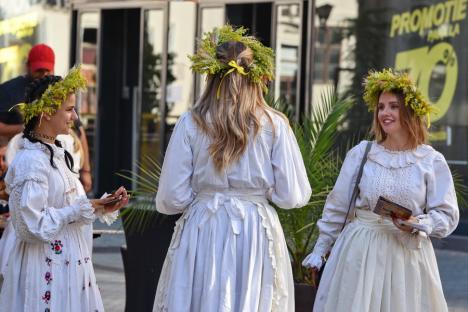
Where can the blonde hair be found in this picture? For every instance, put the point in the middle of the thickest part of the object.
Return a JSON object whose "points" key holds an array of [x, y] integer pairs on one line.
{"points": [[414, 124], [229, 119]]}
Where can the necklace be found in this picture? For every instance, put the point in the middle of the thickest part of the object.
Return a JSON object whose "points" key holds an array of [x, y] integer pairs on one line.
{"points": [[401, 148], [41, 136]]}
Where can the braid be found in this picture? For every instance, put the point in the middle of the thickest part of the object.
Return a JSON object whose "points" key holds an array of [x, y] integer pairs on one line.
{"points": [[27, 135], [33, 92], [37, 87], [68, 157]]}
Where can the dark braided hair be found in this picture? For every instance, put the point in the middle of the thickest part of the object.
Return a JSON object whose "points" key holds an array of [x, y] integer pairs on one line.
{"points": [[33, 92]]}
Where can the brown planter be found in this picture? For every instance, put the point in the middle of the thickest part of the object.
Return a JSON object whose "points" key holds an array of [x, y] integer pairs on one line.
{"points": [[304, 295]]}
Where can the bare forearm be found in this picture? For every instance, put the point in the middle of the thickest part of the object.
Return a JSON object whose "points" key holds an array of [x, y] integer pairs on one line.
{"points": [[10, 130]]}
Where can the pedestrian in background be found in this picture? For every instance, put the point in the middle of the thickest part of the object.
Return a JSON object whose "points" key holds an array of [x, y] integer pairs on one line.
{"points": [[50, 268], [40, 63], [226, 159], [379, 263]]}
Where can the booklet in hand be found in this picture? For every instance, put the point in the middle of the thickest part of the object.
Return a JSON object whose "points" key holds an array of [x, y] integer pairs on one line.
{"points": [[387, 208]]}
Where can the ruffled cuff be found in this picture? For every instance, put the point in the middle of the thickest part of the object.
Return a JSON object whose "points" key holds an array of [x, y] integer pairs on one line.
{"points": [[426, 223], [84, 211], [107, 217], [321, 248], [313, 261]]}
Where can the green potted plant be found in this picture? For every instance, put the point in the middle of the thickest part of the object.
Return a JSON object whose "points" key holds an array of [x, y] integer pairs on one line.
{"points": [[317, 139], [147, 233]]}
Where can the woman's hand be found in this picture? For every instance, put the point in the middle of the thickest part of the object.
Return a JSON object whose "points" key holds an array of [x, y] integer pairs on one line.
{"points": [[405, 227], [102, 204]]}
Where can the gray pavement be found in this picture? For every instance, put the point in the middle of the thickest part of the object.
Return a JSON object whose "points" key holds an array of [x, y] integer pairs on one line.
{"points": [[453, 267]]}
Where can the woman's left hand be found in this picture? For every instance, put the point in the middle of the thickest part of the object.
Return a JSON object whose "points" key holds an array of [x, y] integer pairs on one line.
{"points": [[404, 227]]}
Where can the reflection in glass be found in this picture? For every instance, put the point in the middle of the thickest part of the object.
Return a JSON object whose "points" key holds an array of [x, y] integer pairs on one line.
{"points": [[153, 36], [211, 17], [288, 38], [180, 82], [88, 56]]}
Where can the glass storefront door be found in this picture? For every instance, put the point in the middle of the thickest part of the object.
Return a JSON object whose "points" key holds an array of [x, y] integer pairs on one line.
{"points": [[87, 56], [149, 111], [288, 51]]}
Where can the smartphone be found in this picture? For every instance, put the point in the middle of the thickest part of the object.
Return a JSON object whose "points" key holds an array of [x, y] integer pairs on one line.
{"points": [[113, 201]]}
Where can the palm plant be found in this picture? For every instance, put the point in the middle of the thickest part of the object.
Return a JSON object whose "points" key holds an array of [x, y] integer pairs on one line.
{"points": [[141, 214], [316, 136]]}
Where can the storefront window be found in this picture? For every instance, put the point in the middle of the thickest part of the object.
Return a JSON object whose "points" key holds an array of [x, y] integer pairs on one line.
{"points": [[287, 49], [88, 58], [150, 122], [180, 80], [211, 17]]}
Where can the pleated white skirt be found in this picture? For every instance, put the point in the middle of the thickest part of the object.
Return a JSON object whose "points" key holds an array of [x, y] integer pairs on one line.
{"points": [[228, 254], [371, 270]]}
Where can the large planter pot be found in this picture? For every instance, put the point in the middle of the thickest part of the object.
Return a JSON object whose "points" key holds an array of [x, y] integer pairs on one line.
{"points": [[143, 258], [304, 295]]}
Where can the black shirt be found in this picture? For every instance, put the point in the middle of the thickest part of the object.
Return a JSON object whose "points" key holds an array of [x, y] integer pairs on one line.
{"points": [[12, 92]]}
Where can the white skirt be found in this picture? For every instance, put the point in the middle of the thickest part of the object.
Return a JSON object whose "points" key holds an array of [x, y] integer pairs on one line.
{"points": [[7, 243], [228, 254], [370, 269]]}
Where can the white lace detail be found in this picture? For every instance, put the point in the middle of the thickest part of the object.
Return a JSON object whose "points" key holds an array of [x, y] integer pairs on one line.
{"points": [[398, 159], [391, 183], [21, 227], [26, 144], [271, 253], [313, 261], [161, 294], [322, 247], [85, 211], [22, 177]]}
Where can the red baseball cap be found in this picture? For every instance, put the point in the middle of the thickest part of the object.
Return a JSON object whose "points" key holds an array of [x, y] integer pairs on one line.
{"points": [[41, 56]]}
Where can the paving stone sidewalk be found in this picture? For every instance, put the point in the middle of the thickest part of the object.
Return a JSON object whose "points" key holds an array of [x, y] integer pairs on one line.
{"points": [[453, 268]]}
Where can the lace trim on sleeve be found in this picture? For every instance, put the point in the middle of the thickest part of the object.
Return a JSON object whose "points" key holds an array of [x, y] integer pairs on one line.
{"points": [[20, 179], [85, 211], [19, 223]]}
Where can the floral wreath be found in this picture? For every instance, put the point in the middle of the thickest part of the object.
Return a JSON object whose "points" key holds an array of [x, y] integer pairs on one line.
{"points": [[205, 62], [54, 95], [388, 80]]}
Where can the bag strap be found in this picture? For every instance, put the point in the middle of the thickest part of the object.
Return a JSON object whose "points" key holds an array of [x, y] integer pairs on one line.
{"points": [[352, 202]]}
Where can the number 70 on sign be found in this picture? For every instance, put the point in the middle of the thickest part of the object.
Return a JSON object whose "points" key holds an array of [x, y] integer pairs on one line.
{"points": [[421, 62]]}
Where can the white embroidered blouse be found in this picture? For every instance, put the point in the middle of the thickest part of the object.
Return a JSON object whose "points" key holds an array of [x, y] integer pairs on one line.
{"points": [[418, 179]]}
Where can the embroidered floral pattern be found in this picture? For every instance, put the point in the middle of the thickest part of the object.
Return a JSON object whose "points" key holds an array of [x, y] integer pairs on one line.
{"points": [[57, 247], [48, 261], [46, 297], [48, 277]]}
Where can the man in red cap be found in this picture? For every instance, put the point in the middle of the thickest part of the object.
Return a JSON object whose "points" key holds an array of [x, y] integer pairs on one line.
{"points": [[40, 63]]}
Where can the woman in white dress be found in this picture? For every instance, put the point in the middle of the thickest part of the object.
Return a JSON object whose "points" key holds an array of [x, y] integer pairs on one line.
{"points": [[70, 142], [49, 268], [377, 263], [226, 159]]}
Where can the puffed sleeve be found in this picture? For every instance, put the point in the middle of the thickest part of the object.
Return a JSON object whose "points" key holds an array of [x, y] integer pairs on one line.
{"points": [[34, 220], [175, 190], [292, 188], [442, 214], [336, 206]]}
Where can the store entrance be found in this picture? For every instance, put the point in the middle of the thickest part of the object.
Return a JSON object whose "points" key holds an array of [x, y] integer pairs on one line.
{"points": [[118, 89], [254, 16]]}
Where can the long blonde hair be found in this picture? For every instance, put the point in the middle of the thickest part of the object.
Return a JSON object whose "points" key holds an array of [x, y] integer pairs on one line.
{"points": [[229, 118]]}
